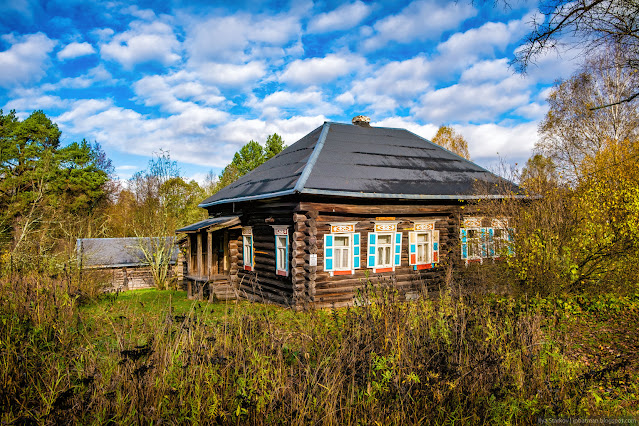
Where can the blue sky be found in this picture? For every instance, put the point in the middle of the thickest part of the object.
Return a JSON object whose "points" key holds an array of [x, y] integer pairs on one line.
{"points": [[199, 79]]}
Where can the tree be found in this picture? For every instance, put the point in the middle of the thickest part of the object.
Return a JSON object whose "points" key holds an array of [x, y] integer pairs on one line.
{"points": [[588, 25], [539, 175], [446, 137], [156, 203], [572, 131], [47, 192], [249, 157]]}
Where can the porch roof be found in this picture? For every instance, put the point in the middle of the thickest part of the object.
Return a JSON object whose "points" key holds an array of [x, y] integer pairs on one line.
{"points": [[214, 222]]}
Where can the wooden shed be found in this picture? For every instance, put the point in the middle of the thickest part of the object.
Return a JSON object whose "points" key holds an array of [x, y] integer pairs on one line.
{"points": [[123, 260], [344, 205]]}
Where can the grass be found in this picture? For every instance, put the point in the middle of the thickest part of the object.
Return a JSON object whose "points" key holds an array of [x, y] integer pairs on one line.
{"points": [[152, 356]]}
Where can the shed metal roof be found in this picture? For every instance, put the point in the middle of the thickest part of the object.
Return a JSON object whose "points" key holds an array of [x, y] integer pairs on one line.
{"points": [[120, 252], [363, 162]]}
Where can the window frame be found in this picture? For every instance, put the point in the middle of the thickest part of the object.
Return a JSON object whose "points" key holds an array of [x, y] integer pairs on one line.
{"points": [[247, 236], [485, 245], [353, 247], [431, 246], [281, 253], [428, 247], [384, 228], [390, 246], [346, 247]]}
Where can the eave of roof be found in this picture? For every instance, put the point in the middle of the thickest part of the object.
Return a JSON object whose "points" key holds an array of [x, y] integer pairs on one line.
{"points": [[216, 223]]}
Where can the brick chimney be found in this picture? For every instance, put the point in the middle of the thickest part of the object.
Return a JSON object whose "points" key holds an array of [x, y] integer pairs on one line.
{"points": [[362, 120]]}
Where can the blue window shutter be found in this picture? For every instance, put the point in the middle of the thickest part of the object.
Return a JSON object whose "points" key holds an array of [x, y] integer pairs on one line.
{"points": [[491, 241], [464, 244], [412, 248], [356, 248], [511, 241], [398, 249], [483, 243], [435, 246], [371, 250], [328, 253]]}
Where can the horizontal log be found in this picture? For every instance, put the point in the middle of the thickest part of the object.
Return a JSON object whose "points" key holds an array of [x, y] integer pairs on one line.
{"points": [[298, 235], [298, 244], [298, 217], [296, 261], [269, 284]]}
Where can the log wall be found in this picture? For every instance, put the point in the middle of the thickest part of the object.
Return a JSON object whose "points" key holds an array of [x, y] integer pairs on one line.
{"points": [[262, 283], [307, 223], [341, 290]]}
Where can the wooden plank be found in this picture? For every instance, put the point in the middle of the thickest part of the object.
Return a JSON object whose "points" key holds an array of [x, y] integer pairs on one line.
{"points": [[199, 254], [209, 254]]}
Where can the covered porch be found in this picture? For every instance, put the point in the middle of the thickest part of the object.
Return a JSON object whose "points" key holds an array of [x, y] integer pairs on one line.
{"points": [[208, 257]]}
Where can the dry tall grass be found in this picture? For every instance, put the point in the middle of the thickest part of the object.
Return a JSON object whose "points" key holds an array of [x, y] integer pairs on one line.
{"points": [[448, 360]]}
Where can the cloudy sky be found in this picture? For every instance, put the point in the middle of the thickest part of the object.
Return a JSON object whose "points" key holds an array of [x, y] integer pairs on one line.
{"points": [[200, 79]]}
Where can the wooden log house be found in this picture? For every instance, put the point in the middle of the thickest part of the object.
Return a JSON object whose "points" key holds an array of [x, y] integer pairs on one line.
{"points": [[344, 205]]}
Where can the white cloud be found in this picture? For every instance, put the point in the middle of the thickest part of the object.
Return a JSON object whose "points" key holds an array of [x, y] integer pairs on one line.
{"points": [[420, 20], [313, 71], [231, 74], [487, 70], [75, 50], [488, 142], [238, 132], [426, 131], [473, 102], [190, 136], [308, 102], [239, 38], [391, 86], [343, 18], [532, 111], [481, 41], [26, 60], [176, 92], [38, 101], [144, 42]]}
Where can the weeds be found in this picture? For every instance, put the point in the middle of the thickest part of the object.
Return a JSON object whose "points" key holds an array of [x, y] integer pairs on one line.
{"points": [[134, 359]]}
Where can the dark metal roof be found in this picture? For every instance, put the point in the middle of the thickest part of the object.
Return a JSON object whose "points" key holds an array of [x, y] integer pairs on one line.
{"points": [[220, 222], [120, 252], [363, 162]]}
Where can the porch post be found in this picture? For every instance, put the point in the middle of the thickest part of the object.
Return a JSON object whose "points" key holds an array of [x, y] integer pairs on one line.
{"points": [[199, 254], [189, 262], [209, 253]]}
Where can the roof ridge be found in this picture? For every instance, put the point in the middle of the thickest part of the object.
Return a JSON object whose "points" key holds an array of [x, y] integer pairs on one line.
{"points": [[312, 159]]}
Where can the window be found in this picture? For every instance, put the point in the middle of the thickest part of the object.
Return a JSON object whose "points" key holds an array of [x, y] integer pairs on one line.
{"points": [[281, 249], [384, 247], [342, 252], [485, 242], [281, 253], [341, 249], [247, 248], [423, 246]]}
